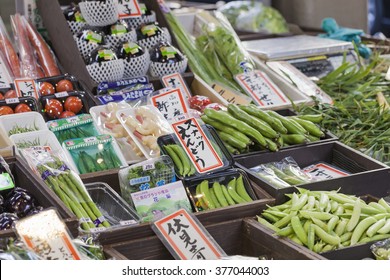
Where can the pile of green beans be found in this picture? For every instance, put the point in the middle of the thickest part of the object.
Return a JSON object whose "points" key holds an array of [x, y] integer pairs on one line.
{"points": [[247, 128], [328, 220]]}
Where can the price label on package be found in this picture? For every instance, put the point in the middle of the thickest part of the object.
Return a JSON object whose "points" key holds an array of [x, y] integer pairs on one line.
{"points": [[26, 88], [176, 81], [323, 171], [128, 8], [231, 96], [260, 87], [5, 78], [186, 238], [197, 146], [170, 103]]}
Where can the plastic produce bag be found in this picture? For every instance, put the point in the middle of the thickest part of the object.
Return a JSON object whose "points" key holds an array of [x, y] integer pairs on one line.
{"points": [[67, 185], [6, 178], [269, 176], [381, 249], [8, 51]]}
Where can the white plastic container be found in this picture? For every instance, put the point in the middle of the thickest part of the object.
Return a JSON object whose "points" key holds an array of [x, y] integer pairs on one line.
{"points": [[100, 115], [30, 120], [162, 127]]}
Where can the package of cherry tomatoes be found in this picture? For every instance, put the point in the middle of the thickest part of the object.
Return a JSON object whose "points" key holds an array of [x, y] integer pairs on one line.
{"points": [[18, 105], [57, 84], [6, 93], [64, 104]]}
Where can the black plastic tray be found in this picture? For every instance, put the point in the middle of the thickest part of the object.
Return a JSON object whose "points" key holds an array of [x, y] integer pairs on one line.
{"points": [[55, 79], [31, 102]]}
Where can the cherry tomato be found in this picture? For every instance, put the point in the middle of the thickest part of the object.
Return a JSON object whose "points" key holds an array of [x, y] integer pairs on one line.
{"points": [[10, 94], [46, 88], [73, 104], [1, 96], [53, 108], [6, 110], [64, 85], [67, 114], [198, 102], [21, 108]]}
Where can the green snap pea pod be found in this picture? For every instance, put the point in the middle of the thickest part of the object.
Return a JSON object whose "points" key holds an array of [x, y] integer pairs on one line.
{"points": [[286, 220], [374, 238], [241, 190], [89, 163], [327, 248], [214, 198], [334, 206], [326, 237], [296, 240], [298, 229], [386, 228], [294, 139], [328, 208], [231, 149], [306, 225], [227, 195], [372, 230], [107, 159], [80, 164], [228, 120], [339, 198], [204, 189], [361, 228], [320, 223], [312, 138], [318, 247], [324, 199], [219, 194], [176, 160], [341, 227], [227, 138], [340, 210], [276, 213], [318, 215], [312, 118], [232, 192], [258, 124], [260, 114], [300, 203], [310, 202], [311, 235], [264, 222], [270, 217], [355, 216], [272, 146], [346, 243], [286, 231], [365, 209], [291, 126], [199, 196], [222, 127], [332, 223], [385, 205], [185, 161], [346, 236], [310, 127], [377, 206], [279, 142]]}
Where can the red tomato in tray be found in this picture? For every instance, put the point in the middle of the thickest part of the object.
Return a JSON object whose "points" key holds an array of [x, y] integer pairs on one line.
{"points": [[53, 108], [6, 110], [198, 102], [73, 104], [10, 94], [46, 88], [21, 108], [1, 96], [64, 85], [67, 114]]}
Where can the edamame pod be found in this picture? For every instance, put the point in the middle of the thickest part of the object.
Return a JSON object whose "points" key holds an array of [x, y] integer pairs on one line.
{"points": [[240, 189]]}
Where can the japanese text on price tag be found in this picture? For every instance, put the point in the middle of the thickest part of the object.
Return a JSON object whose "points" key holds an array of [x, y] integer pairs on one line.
{"points": [[5, 78], [322, 171], [128, 9], [197, 146], [263, 91], [171, 103], [26, 87], [231, 96], [186, 238], [176, 81]]}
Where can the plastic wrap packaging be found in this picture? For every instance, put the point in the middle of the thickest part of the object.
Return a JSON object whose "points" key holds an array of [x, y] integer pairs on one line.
{"points": [[7, 180], [29, 65], [106, 121], [94, 154], [145, 124], [18, 105], [74, 127], [146, 175], [57, 84], [67, 185], [45, 55], [255, 17], [381, 249], [9, 52], [14, 249], [134, 95]]}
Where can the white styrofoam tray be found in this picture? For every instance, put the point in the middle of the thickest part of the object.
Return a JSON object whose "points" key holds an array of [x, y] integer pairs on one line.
{"points": [[31, 120]]}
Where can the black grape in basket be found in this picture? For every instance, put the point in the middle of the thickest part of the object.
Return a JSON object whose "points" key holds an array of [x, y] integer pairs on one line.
{"points": [[165, 53], [7, 220], [129, 50], [92, 35], [148, 30], [101, 54], [73, 14]]}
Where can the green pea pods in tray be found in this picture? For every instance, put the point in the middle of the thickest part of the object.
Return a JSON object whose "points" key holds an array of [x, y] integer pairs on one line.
{"points": [[146, 175], [94, 154], [73, 127], [29, 121], [184, 168], [221, 189]]}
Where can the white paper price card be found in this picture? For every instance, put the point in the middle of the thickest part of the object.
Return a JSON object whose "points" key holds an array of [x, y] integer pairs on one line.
{"points": [[231, 96], [323, 171], [186, 238], [176, 81], [170, 103], [263, 91], [26, 88], [47, 236], [5, 78], [128, 9], [197, 146]]}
